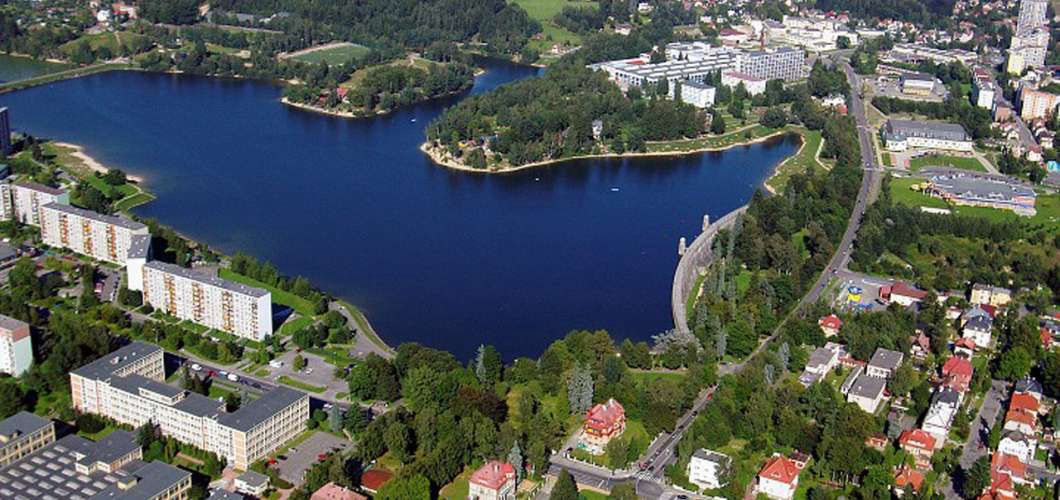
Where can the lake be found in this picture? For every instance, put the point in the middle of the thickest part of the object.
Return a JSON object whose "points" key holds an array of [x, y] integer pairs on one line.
{"points": [[444, 258]]}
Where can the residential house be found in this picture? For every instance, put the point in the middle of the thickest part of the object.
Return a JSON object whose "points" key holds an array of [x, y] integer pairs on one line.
{"points": [[252, 483], [822, 360], [604, 422], [902, 294], [1018, 444], [977, 325], [920, 445], [830, 325], [907, 478], [373, 479], [957, 374], [332, 491], [867, 392], [1030, 387], [964, 347], [884, 363], [940, 414], [1021, 421], [779, 478], [988, 294], [921, 345], [1002, 465], [708, 469], [495, 480]]}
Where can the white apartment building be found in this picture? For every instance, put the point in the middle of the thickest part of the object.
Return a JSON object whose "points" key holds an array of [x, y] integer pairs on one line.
{"points": [[694, 61], [128, 386], [697, 94], [139, 254], [1031, 47], [24, 201], [102, 237], [228, 306], [1037, 103], [707, 469], [904, 134], [1032, 15], [753, 84], [16, 346], [785, 63], [812, 34], [984, 90]]}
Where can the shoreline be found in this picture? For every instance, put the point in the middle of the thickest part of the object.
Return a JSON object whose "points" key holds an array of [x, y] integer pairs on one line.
{"points": [[447, 162], [91, 163]]}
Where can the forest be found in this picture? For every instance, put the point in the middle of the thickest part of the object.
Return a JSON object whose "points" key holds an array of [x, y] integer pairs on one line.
{"points": [[975, 120], [924, 13]]}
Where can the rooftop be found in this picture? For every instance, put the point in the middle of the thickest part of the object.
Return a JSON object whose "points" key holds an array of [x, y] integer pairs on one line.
{"points": [[254, 479], [980, 187], [886, 359], [21, 424], [33, 186], [867, 386], [257, 411], [712, 456], [96, 216], [493, 474], [932, 130], [780, 469], [208, 280], [106, 366], [11, 324], [220, 494], [139, 246], [133, 383], [152, 479]]}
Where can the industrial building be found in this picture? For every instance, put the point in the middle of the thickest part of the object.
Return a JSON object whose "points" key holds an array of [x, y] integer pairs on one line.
{"points": [[904, 134], [228, 306], [978, 190], [909, 52], [16, 346], [128, 386], [102, 237], [919, 84]]}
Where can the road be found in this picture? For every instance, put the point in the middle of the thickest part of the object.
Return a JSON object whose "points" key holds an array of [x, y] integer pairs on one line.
{"points": [[650, 482], [980, 431]]}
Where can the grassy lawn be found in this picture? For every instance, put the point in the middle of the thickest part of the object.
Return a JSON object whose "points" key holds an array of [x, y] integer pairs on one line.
{"points": [[303, 306], [333, 55], [543, 11], [693, 295], [945, 161], [642, 377], [717, 141], [592, 495], [109, 40], [216, 391], [130, 202], [284, 379], [1048, 205], [333, 355], [294, 325], [805, 157], [96, 436], [458, 489]]}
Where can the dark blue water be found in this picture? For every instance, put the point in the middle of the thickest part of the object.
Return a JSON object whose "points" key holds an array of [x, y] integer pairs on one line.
{"points": [[18, 68], [446, 258]]}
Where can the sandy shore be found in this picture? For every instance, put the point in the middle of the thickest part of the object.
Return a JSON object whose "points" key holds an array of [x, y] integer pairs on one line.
{"points": [[318, 109], [90, 162], [444, 159]]}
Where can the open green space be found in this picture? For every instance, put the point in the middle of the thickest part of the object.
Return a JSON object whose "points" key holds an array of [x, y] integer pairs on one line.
{"points": [[960, 162], [693, 295], [113, 41], [294, 325], [333, 356], [303, 306], [458, 488], [804, 158], [284, 379], [711, 142], [96, 436], [543, 11], [130, 202], [338, 54]]}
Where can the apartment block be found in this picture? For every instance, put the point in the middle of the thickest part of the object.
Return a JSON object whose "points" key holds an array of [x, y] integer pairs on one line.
{"points": [[78, 469], [984, 90], [24, 201], [128, 387], [136, 259], [23, 433], [102, 237], [16, 346], [1037, 104], [1032, 15], [228, 306], [785, 63]]}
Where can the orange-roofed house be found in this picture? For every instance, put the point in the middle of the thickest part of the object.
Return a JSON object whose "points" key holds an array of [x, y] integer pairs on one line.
{"points": [[332, 491], [1003, 465], [373, 479], [493, 481], [957, 373], [604, 422], [906, 477], [830, 325], [779, 478], [920, 444], [1024, 401], [1021, 421]]}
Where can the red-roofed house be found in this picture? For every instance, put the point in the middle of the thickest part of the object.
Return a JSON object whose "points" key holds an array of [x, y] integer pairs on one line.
{"points": [[1020, 420], [604, 422], [779, 478], [830, 325], [920, 444], [1024, 401], [1007, 465], [493, 481], [373, 479], [904, 294], [907, 477], [957, 373], [332, 491], [965, 346]]}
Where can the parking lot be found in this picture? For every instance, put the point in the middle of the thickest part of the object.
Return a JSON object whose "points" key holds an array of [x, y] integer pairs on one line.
{"points": [[870, 291], [300, 458], [317, 372]]}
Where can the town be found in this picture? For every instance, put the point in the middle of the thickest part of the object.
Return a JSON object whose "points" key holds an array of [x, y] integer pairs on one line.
{"points": [[880, 319]]}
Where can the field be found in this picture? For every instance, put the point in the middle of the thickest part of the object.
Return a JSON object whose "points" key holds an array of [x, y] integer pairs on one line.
{"points": [[960, 162], [109, 40], [806, 157], [332, 53], [543, 11]]}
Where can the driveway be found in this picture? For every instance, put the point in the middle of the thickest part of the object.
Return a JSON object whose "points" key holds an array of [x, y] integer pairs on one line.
{"points": [[302, 457]]}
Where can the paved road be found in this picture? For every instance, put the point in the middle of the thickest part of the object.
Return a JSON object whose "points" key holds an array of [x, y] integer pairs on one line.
{"points": [[650, 482], [980, 430], [362, 344]]}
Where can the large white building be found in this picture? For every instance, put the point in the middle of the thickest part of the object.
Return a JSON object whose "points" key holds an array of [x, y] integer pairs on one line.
{"points": [[1030, 47], [139, 254], [103, 237], [16, 346], [708, 469], [228, 306], [984, 90], [785, 63], [813, 34], [697, 94], [128, 386], [24, 201], [693, 61], [904, 134], [1032, 15], [753, 84]]}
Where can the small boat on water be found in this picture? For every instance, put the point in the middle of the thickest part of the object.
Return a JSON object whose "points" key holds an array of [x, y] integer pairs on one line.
{"points": [[413, 120], [614, 190]]}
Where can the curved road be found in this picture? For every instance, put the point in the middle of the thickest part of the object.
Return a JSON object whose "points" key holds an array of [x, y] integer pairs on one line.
{"points": [[650, 482]]}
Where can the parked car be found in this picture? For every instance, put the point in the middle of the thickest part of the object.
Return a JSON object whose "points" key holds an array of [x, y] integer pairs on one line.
{"points": [[233, 377], [196, 367], [224, 373]]}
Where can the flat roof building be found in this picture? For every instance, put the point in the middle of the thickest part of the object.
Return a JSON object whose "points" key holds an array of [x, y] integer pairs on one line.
{"points": [[102, 237], [128, 386], [228, 306], [903, 134], [784, 63], [24, 433], [75, 468], [24, 201], [16, 346]]}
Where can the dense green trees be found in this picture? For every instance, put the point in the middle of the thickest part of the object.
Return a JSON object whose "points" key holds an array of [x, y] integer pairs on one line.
{"points": [[974, 119]]}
